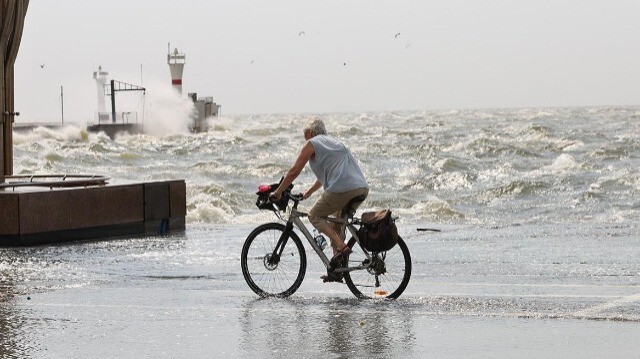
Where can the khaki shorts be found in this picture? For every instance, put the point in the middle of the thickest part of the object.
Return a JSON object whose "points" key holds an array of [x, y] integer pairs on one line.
{"points": [[331, 204]]}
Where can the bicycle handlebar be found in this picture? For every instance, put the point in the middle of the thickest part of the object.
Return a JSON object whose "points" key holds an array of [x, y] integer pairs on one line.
{"points": [[296, 197], [264, 200]]}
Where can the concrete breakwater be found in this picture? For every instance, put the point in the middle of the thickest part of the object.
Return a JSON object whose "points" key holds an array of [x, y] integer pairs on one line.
{"points": [[43, 215]]}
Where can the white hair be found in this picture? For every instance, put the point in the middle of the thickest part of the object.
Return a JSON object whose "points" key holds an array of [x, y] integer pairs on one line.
{"points": [[316, 126]]}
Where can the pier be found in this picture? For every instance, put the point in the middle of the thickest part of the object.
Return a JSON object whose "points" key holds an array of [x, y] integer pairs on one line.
{"points": [[37, 214], [44, 209]]}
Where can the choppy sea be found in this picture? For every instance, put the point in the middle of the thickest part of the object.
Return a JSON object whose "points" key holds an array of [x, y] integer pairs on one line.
{"points": [[537, 255], [480, 167]]}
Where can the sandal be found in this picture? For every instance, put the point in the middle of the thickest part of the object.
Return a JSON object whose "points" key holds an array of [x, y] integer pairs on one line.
{"points": [[332, 277], [339, 260], [344, 251]]}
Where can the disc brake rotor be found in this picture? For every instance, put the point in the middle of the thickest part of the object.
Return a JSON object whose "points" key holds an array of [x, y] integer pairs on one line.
{"points": [[269, 263]]}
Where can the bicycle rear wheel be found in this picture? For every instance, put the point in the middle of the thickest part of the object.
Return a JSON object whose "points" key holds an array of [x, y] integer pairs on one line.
{"points": [[386, 277], [268, 275]]}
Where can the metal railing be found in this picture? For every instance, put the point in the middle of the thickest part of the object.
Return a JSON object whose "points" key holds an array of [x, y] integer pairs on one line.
{"points": [[51, 181], [121, 117]]}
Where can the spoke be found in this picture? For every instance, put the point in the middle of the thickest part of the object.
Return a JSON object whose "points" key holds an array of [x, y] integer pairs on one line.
{"points": [[278, 278], [388, 282]]}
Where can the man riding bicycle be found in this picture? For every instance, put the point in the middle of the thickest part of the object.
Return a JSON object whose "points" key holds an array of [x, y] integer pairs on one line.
{"points": [[339, 174]]}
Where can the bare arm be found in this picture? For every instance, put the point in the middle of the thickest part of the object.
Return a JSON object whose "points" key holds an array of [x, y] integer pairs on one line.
{"points": [[294, 171], [312, 189]]}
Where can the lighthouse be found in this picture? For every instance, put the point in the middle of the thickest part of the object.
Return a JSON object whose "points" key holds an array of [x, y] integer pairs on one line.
{"points": [[101, 80], [176, 61], [204, 107]]}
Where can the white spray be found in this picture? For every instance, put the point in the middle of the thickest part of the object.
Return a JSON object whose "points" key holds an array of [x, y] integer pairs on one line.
{"points": [[166, 112]]}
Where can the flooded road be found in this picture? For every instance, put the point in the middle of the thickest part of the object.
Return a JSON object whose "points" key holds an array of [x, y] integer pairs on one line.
{"points": [[523, 291]]}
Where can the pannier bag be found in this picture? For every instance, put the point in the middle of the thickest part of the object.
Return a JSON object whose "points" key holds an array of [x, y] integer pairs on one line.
{"points": [[378, 232]]}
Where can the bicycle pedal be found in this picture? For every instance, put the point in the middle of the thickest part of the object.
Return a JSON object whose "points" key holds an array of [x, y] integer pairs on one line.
{"points": [[332, 277]]}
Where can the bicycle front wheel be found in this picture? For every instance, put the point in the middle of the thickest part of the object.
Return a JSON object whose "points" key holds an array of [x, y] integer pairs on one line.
{"points": [[267, 273], [387, 276]]}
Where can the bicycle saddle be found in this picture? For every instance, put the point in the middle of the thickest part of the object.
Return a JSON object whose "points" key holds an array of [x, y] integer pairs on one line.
{"points": [[350, 208]]}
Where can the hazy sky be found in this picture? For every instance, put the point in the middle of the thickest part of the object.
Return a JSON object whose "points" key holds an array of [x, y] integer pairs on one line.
{"points": [[249, 54]]}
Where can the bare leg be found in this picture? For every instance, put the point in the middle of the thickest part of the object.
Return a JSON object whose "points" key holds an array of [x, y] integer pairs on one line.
{"points": [[337, 243]]}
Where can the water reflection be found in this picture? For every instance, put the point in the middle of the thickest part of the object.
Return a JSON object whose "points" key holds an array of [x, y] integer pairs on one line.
{"points": [[339, 328], [9, 324], [30, 271]]}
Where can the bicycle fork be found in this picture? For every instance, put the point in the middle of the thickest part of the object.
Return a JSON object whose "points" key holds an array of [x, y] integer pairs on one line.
{"points": [[279, 248]]}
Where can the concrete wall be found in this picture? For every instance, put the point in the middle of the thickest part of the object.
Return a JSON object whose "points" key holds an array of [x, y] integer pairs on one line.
{"points": [[47, 216]]}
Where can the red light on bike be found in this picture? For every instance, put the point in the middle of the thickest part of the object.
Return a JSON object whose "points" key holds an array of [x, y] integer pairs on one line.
{"points": [[264, 188]]}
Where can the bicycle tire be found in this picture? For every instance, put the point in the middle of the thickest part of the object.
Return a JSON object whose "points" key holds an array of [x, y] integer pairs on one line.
{"points": [[396, 264], [273, 280]]}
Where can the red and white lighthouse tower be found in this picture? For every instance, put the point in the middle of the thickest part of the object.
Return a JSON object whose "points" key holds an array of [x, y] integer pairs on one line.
{"points": [[176, 61]]}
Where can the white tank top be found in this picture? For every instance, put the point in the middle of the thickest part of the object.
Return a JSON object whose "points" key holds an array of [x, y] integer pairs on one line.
{"points": [[334, 165]]}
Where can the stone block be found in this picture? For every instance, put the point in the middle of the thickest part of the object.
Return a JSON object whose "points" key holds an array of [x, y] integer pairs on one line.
{"points": [[178, 193], [9, 213], [44, 211], [156, 201], [103, 206]]}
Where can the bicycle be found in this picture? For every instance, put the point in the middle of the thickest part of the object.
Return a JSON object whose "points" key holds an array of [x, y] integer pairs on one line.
{"points": [[274, 260]]}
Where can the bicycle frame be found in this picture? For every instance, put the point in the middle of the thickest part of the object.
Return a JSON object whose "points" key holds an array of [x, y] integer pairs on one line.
{"points": [[295, 219]]}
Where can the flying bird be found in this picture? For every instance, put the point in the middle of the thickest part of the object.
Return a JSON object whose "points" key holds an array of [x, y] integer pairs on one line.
{"points": [[408, 46], [301, 33], [42, 66], [396, 36], [252, 61]]}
